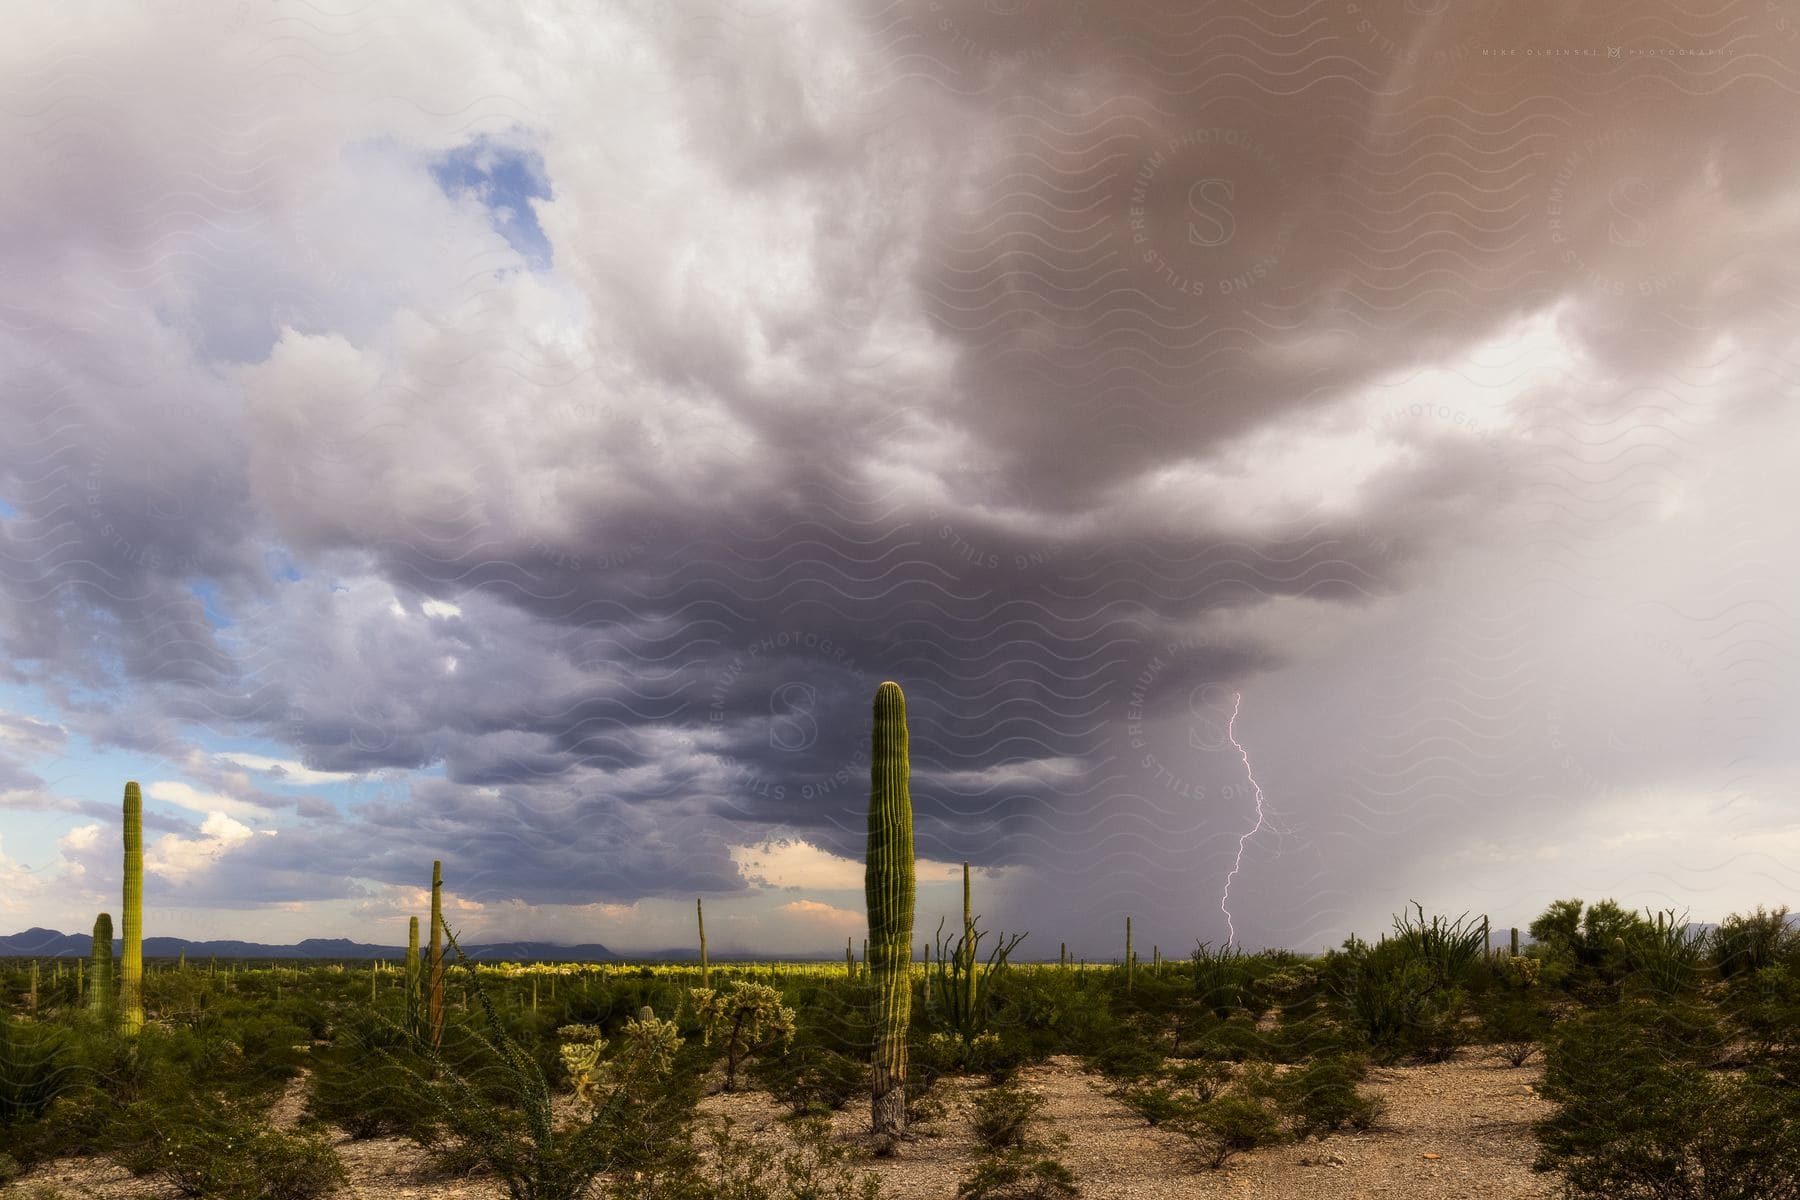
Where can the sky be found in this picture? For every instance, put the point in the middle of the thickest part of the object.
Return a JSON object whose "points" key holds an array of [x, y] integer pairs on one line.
{"points": [[1300, 459]]}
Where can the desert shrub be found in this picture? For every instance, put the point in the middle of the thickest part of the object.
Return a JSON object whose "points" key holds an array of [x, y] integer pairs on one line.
{"points": [[1321, 1097], [1018, 1175], [1180, 1094], [1401, 996], [1514, 1022], [1584, 948], [815, 1167], [1038, 1013], [1129, 1056], [812, 1080], [1236, 1039], [1640, 1118], [1312, 1035], [1294, 987], [1664, 959], [1230, 1125], [1160, 1104], [1003, 1117], [1453, 951], [204, 1145], [363, 1083], [1203, 1078], [1765, 1006], [1223, 979], [34, 1063], [633, 1107], [1744, 945]]}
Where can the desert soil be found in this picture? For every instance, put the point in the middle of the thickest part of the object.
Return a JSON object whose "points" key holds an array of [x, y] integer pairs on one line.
{"points": [[1453, 1131]]}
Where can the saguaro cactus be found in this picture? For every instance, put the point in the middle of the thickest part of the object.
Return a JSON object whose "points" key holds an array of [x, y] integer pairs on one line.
{"points": [[434, 1008], [131, 960], [1128, 958], [412, 960], [890, 890], [700, 916]]}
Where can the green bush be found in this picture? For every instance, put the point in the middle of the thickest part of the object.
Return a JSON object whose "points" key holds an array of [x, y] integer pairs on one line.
{"points": [[34, 1064], [1018, 1175], [1765, 1006], [1514, 1023], [1744, 945], [364, 1083], [1041, 1012], [1223, 979], [1400, 996], [1203, 1078], [1639, 1117], [1664, 959], [1003, 1116], [1308, 1037], [206, 1146], [1231, 1125], [815, 1168], [1127, 1057], [812, 1080], [1321, 1097]]}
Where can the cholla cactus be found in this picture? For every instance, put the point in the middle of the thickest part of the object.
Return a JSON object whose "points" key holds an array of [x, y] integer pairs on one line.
{"points": [[647, 1051], [1523, 972], [750, 1017]]}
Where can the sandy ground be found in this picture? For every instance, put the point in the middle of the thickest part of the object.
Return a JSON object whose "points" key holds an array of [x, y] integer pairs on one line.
{"points": [[1454, 1131]]}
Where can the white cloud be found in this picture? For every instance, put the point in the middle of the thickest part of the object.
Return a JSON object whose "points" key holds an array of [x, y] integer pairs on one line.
{"points": [[189, 797], [15, 883], [177, 858], [817, 912], [795, 863], [286, 769]]}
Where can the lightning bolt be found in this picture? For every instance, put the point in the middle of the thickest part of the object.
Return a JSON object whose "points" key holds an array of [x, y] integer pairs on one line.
{"points": [[1231, 732]]}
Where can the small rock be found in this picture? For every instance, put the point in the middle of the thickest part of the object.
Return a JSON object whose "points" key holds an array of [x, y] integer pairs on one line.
{"points": [[1428, 1155]]}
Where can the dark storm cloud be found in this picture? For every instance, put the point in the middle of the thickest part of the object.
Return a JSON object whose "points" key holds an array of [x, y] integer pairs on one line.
{"points": [[1064, 364]]}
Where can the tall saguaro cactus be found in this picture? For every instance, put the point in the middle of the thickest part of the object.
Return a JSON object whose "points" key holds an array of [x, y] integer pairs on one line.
{"points": [[434, 1008], [100, 989], [700, 916], [890, 890], [1129, 960], [131, 960], [412, 960]]}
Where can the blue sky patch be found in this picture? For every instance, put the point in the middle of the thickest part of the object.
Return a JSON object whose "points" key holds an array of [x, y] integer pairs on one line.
{"points": [[506, 179], [211, 602]]}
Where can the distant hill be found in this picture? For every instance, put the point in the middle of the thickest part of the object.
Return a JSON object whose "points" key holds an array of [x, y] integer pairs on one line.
{"points": [[48, 943]]}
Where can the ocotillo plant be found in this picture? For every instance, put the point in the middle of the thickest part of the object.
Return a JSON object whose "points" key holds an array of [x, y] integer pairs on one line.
{"points": [[700, 917], [131, 964], [962, 983], [435, 1001], [968, 942], [889, 888]]}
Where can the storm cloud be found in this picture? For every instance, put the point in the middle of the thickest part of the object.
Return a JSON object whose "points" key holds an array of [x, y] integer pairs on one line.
{"points": [[544, 434]]}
